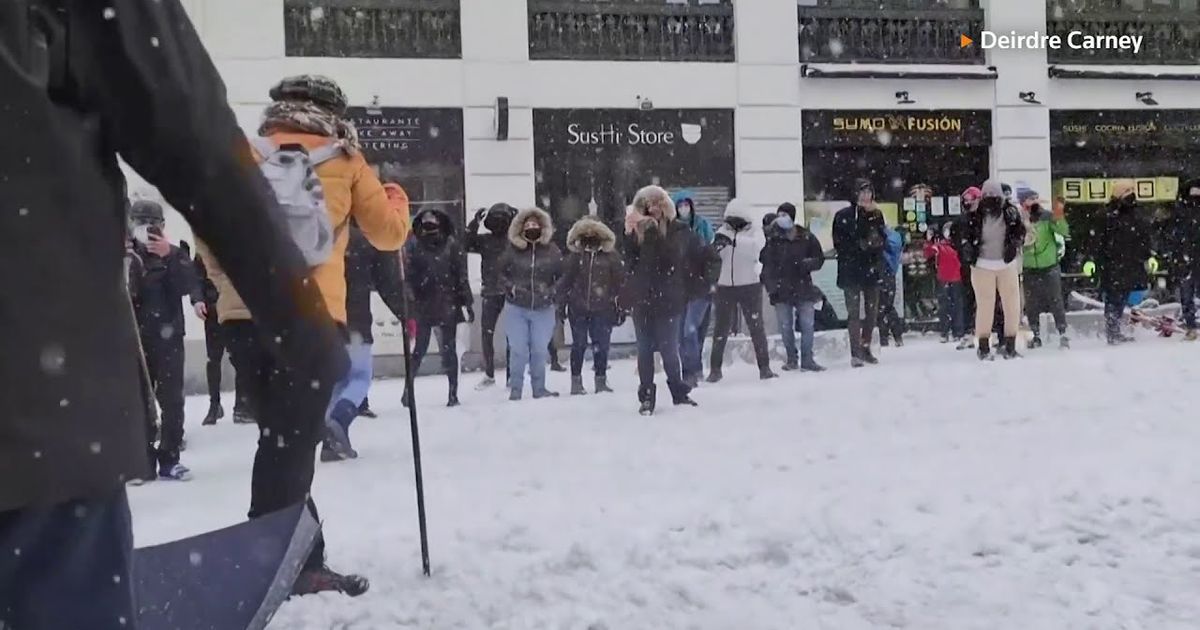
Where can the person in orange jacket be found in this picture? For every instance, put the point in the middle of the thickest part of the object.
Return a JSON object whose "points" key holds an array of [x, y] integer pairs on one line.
{"points": [[308, 110]]}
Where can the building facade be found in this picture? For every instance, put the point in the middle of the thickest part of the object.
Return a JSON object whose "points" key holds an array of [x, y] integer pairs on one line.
{"points": [[573, 104]]}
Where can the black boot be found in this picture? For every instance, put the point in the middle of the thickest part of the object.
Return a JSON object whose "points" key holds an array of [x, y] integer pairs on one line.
{"points": [[452, 398], [984, 352], [215, 412], [577, 385], [766, 374], [1010, 348], [792, 365], [241, 416], [365, 411], [602, 384], [646, 396], [714, 376]]}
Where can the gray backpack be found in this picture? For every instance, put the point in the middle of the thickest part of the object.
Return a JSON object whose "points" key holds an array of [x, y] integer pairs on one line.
{"points": [[291, 172]]}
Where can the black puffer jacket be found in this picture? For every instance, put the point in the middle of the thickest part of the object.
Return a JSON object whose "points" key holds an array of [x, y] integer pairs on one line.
{"points": [[972, 235], [437, 271], [859, 238], [658, 270], [1124, 247], [594, 274], [788, 264], [1183, 235], [161, 286], [530, 272], [74, 408], [491, 246], [369, 269]]}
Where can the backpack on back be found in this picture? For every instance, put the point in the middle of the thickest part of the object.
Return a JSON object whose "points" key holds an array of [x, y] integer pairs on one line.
{"points": [[291, 172]]}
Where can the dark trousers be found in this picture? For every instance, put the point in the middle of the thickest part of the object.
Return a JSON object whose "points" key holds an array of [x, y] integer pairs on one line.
{"points": [[214, 344], [1043, 294], [1188, 287], [291, 420], [950, 308], [68, 566], [493, 305], [862, 311], [596, 327], [164, 364], [447, 349], [890, 321], [658, 333], [747, 299], [968, 300], [1114, 310]]}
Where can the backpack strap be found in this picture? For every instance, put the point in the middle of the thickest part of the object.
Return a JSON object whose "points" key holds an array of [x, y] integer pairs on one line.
{"points": [[264, 146], [324, 154]]}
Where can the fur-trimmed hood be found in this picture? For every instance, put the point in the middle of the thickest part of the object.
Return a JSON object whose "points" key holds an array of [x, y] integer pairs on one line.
{"points": [[654, 196], [518, 223], [588, 226]]}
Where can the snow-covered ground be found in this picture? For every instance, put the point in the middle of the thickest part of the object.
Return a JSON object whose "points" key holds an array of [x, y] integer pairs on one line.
{"points": [[933, 493]]}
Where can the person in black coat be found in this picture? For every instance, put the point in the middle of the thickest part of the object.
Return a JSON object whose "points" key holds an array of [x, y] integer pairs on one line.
{"points": [[530, 271], [490, 247], [166, 278], [659, 257], [80, 85], [204, 303], [1122, 256], [992, 245], [436, 268], [367, 270], [859, 238], [587, 297], [789, 259], [1183, 251]]}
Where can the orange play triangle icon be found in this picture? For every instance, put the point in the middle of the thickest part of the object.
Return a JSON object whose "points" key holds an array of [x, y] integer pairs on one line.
{"points": [[964, 41]]}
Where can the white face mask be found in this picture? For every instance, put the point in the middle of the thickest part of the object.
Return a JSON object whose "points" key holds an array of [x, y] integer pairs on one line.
{"points": [[684, 210]]}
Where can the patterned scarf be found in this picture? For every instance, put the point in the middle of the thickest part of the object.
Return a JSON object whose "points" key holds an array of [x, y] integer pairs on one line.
{"points": [[307, 117]]}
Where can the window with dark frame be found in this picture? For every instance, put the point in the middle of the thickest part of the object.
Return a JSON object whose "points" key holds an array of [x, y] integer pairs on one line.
{"points": [[416, 29], [632, 30], [888, 31], [1170, 30]]}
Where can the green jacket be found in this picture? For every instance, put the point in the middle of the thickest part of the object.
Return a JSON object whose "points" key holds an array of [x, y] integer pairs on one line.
{"points": [[1043, 253]]}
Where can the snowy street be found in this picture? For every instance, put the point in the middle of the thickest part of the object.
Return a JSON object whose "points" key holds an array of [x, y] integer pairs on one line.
{"points": [[932, 492]]}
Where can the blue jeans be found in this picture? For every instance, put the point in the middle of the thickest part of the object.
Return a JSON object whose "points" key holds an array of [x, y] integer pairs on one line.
{"points": [[691, 336], [68, 565], [354, 386], [596, 327], [950, 308], [529, 333], [803, 314]]}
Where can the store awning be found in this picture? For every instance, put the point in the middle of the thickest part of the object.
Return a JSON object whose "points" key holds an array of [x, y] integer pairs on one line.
{"points": [[896, 71], [1152, 73]]}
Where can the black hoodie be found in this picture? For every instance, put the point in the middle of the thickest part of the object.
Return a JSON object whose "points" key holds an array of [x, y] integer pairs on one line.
{"points": [[437, 272], [1124, 247], [1182, 242], [490, 246]]}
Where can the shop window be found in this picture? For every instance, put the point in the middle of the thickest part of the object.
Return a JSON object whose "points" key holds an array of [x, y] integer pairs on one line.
{"points": [[1170, 30], [635, 30], [427, 29], [896, 31]]}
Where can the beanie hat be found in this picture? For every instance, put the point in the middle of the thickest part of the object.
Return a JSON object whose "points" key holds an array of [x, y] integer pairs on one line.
{"points": [[788, 209], [145, 210], [863, 184], [322, 91], [972, 194], [993, 189]]}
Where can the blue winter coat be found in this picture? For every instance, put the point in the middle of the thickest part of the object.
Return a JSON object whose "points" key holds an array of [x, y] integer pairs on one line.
{"points": [[699, 224], [892, 250]]}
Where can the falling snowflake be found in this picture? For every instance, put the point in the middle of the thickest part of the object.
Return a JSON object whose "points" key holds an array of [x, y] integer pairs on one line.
{"points": [[154, 42], [24, 212], [836, 48], [167, 331], [64, 403], [317, 14], [196, 558], [95, 447], [109, 13], [434, 131], [884, 137], [116, 579], [54, 360]]}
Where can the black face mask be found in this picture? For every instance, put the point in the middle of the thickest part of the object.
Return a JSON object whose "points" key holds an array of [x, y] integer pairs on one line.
{"points": [[532, 235], [991, 205], [590, 243], [737, 223], [497, 223]]}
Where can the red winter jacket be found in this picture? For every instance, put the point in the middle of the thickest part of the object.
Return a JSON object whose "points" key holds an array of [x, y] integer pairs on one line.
{"points": [[949, 268]]}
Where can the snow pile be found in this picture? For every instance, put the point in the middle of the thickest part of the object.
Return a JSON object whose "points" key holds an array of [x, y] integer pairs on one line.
{"points": [[932, 492]]}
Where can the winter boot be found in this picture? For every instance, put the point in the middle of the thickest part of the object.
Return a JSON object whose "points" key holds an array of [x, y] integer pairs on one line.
{"points": [[485, 383], [406, 398], [326, 580], [692, 380], [646, 396], [765, 374], [577, 385], [985, 351], [328, 454], [602, 384], [1010, 349], [899, 341], [514, 395], [545, 393], [792, 365], [869, 358], [452, 397], [685, 401], [175, 472], [811, 366], [364, 410], [714, 376], [856, 362], [1034, 343], [1192, 335], [555, 364], [1064, 342], [337, 428], [945, 338], [241, 416], [215, 412]]}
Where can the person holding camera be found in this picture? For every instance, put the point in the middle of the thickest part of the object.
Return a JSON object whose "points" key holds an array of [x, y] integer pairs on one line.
{"points": [[1043, 277], [490, 247], [165, 278], [859, 237]]}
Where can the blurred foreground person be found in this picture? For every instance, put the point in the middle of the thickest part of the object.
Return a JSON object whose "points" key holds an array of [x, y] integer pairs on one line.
{"points": [[82, 83]]}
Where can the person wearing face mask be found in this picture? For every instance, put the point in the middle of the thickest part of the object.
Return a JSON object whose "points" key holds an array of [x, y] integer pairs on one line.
{"points": [[490, 247], [1183, 242], [993, 240], [1043, 278], [891, 323], [530, 270], [587, 297], [790, 257], [859, 238], [436, 270], [1122, 257], [958, 231], [694, 323], [739, 288], [950, 287], [659, 254]]}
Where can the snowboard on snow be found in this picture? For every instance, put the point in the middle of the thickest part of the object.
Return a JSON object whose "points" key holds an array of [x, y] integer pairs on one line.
{"points": [[230, 579]]}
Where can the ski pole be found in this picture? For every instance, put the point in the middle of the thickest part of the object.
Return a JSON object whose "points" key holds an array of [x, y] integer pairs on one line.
{"points": [[412, 419]]}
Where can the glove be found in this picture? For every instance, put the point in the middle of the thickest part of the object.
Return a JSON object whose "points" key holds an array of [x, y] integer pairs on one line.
{"points": [[469, 314], [1152, 265], [479, 214], [1089, 269]]}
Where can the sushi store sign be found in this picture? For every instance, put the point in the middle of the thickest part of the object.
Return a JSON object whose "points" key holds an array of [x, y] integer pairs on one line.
{"points": [[632, 134], [1099, 190], [825, 128]]}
